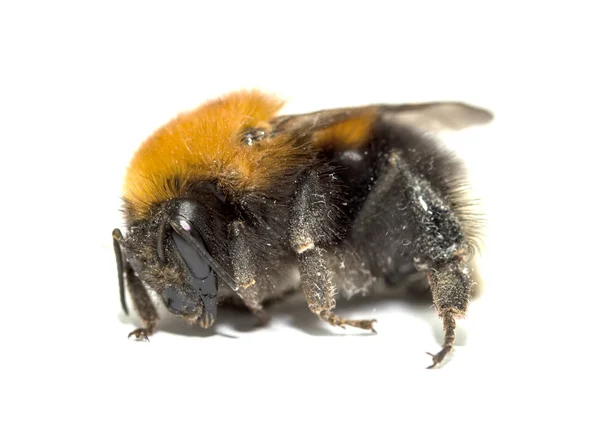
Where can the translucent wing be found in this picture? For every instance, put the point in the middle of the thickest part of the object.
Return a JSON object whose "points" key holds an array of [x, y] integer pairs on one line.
{"points": [[434, 116]]}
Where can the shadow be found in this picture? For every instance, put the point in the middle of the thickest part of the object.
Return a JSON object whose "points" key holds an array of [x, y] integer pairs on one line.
{"points": [[173, 324], [297, 314], [239, 319], [293, 311], [394, 302]]}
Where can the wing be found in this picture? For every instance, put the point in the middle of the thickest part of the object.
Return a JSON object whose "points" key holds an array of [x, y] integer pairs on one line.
{"points": [[437, 116], [434, 116]]}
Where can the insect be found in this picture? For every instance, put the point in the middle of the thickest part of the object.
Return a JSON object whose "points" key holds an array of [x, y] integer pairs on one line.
{"points": [[233, 203]]}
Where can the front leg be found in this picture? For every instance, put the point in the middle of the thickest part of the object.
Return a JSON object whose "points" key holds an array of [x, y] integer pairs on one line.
{"points": [[143, 304], [141, 300], [315, 223]]}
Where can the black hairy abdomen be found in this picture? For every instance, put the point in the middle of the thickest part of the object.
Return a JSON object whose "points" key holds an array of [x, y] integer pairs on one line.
{"points": [[399, 203]]}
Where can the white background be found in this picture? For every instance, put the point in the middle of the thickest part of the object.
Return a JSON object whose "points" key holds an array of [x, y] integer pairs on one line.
{"points": [[82, 86]]}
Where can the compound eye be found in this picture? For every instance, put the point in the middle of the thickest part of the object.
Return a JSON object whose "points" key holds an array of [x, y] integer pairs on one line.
{"points": [[253, 136], [197, 265]]}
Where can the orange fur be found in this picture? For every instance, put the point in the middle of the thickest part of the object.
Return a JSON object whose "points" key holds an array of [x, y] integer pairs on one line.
{"points": [[204, 144], [348, 133]]}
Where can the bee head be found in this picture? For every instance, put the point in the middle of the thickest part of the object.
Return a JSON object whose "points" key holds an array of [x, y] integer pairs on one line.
{"points": [[169, 254]]}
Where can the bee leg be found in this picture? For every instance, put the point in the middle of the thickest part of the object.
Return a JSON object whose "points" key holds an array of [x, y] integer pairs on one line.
{"points": [[310, 232], [436, 241], [141, 300], [140, 334], [244, 271], [439, 248], [117, 239], [319, 290], [451, 286], [143, 304]]}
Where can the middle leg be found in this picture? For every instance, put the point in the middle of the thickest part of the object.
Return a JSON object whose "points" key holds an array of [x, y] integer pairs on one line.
{"points": [[244, 271], [313, 226]]}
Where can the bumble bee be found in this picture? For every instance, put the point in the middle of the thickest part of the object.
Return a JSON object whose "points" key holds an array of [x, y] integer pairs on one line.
{"points": [[231, 201]]}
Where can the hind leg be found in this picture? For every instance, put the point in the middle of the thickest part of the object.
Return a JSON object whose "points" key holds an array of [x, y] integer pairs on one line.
{"points": [[451, 286], [420, 224], [441, 250]]}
